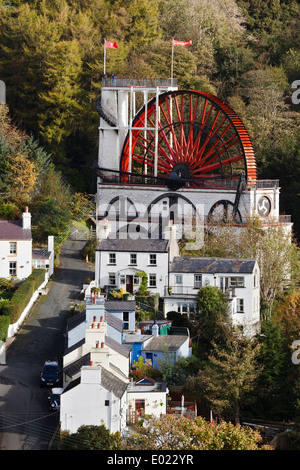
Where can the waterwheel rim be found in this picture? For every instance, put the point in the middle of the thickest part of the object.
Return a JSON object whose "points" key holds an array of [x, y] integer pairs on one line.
{"points": [[199, 137]]}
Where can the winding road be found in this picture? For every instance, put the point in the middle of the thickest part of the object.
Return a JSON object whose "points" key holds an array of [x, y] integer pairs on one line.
{"points": [[25, 420]]}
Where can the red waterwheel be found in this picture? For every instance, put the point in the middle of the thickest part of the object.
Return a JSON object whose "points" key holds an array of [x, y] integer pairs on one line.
{"points": [[199, 139]]}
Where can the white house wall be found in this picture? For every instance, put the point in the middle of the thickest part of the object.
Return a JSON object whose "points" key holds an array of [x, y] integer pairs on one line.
{"points": [[23, 258], [123, 268], [85, 404]]}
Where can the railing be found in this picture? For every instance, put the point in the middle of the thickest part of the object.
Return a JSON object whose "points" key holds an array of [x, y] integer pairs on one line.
{"points": [[267, 184], [182, 290], [140, 82]]}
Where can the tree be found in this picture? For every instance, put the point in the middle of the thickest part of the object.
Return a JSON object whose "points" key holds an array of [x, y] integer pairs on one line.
{"points": [[228, 378], [213, 319], [171, 432], [51, 219], [92, 438]]}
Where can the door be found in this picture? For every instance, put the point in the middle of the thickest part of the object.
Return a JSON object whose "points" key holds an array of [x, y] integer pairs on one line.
{"points": [[129, 284], [139, 407]]}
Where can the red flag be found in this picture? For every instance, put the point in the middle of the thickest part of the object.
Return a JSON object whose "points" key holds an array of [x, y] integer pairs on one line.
{"points": [[182, 43], [111, 45]]}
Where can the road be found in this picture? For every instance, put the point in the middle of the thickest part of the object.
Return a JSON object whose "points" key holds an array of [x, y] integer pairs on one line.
{"points": [[25, 421]]}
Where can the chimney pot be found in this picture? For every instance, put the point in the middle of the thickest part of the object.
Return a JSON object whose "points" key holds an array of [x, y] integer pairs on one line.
{"points": [[91, 363], [102, 345], [101, 319]]}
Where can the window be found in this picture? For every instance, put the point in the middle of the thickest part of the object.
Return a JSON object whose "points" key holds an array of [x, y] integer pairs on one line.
{"points": [[152, 280], [132, 258], [122, 279], [106, 402], [240, 305], [125, 320], [136, 280], [178, 279], [197, 281], [186, 308], [13, 248], [152, 259], [112, 279], [237, 282], [13, 268], [112, 258], [256, 279]]}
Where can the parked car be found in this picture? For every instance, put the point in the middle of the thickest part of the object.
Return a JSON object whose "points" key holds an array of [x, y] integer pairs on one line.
{"points": [[50, 374], [54, 399]]}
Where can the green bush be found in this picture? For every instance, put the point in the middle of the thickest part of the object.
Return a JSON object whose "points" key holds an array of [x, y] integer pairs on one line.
{"points": [[4, 324], [23, 294], [90, 249]]}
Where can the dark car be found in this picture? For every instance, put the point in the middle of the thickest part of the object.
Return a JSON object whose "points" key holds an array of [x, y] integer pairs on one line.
{"points": [[54, 399], [50, 374]]}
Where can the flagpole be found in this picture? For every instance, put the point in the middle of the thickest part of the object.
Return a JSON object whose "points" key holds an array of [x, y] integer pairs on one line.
{"points": [[104, 56], [172, 62]]}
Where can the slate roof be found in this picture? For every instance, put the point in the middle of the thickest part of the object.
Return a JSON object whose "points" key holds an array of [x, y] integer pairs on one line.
{"points": [[113, 321], [41, 254], [74, 368], [13, 230], [144, 245], [108, 380], [173, 343], [211, 265], [80, 317], [113, 344], [119, 305], [112, 383], [130, 338]]}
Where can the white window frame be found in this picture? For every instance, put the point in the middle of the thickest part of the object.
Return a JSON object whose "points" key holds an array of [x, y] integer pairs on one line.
{"points": [[13, 269], [240, 305], [237, 281], [110, 275], [152, 259], [133, 259], [112, 259], [178, 279], [12, 248], [152, 280], [196, 281]]}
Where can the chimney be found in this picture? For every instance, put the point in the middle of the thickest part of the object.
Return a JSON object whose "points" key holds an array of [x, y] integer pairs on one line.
{"points": [[155, 330], [26, 219], [171, 235]]}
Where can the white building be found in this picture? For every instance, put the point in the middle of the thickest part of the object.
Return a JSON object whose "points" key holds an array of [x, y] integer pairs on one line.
{"points": [[240, 278], [16, 248], [120, 261], [96, 396], [17, 257], [146, 397], [97, 388]]}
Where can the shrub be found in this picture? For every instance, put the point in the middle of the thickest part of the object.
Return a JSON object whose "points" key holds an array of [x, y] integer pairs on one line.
{"points": [[4, 324]]}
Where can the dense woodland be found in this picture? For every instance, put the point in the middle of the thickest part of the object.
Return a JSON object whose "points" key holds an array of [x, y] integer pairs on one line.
{"points": [[245, 52]]}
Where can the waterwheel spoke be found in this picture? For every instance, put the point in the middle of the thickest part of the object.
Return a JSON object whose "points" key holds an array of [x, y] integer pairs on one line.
{"points": [[198, 134]]}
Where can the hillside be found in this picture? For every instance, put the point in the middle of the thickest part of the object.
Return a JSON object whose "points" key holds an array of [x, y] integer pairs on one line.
{"points": [[245, 52]]}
